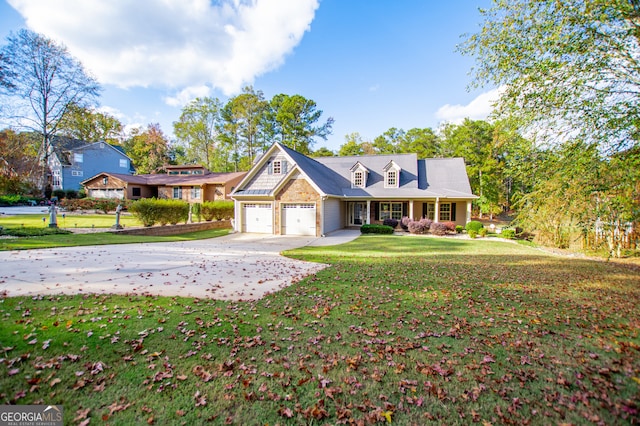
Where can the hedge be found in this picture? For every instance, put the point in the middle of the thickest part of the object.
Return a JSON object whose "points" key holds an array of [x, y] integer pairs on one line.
{"points": [[150, 211], [376, 229], [219, 210]]}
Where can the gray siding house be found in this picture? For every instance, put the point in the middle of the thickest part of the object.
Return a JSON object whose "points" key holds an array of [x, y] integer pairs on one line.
{"points": [[288, 193], [71, 161]]}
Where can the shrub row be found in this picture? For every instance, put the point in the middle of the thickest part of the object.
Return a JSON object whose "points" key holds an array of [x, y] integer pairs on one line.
{"points": [[376, 229], [425, 225], [150, 211], [218, 210], [70, 193], [105, 205]]}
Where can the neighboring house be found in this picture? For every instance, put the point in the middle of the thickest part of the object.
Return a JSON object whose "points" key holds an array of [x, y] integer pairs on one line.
{"points": [[190, 183], [288, 193], [71, 161]]}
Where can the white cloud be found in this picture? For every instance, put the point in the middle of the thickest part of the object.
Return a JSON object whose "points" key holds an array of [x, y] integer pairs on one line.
{"points": [[174, 44], [184, 96], [478, 109]]}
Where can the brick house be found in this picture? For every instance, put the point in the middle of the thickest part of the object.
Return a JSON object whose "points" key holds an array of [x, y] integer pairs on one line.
{"points": [[288, 193], [191, 183]]}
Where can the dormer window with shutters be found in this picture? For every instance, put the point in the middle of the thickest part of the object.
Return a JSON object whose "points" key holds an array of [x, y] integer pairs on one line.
{"points": [[359, 175], [392, 175], [277, 167]]}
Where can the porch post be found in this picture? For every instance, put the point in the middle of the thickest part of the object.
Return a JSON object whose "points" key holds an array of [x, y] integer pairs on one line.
{"points": [[411, 209], [436, 213], [368, 219], [468, 212]]}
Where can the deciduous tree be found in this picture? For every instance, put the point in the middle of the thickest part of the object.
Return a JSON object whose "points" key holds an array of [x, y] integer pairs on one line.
{"points": [[198, 130], [42, 81], [90, 125], [148, 149]]}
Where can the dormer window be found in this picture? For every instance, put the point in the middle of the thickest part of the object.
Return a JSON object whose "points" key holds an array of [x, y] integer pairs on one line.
{"points": [[358, 179], [392, 175], [277, 167], [392, 179], [359, 176]]}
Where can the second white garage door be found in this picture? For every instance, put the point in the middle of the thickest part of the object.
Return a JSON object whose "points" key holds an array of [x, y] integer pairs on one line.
{"points": [[299, 219], [257, 218]]}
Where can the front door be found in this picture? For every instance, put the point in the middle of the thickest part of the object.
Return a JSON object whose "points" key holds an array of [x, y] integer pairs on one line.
{"points": [[357, 216]]}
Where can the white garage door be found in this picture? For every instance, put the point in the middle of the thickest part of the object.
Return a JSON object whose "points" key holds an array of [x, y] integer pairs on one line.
{"points": [[257, 218], [299, 219]]}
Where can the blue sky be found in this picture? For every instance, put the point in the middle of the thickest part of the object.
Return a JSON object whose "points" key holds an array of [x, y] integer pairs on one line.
{"points": [[369, 64]]}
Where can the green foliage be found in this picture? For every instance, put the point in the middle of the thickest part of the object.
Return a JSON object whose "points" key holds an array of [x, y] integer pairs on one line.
{"points": [[374, 228], [32, 232], [483, 232], [197, 131], [87, 124], [459, 229], [566, 67], [71, 194], [472, 233], [196, 211], [219, 210], [509, 234], [150, 211], [474, 225], [59, 193], [148, 149], [13, 200]]}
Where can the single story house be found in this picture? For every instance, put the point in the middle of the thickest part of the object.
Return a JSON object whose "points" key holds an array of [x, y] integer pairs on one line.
{"points": [[194, 184], [288, 193]]}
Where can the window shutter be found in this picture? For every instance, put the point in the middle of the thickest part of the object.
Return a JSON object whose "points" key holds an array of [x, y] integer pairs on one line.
{"points": [[270, 168], [284, 167], [453, 212], [405, 207], [376, 209]]}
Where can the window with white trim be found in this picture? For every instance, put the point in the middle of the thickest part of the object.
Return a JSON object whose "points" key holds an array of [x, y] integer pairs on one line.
{"points": [[277, 167], [431, 211], [78, 157], [391, 180], [390, 211], [124, 163], [195, 192], [76, 173], [358, 179], [177, 192], [445, 212]]}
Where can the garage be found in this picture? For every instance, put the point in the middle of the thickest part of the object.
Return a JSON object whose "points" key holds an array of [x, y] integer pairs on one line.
{"points": [[257, 218], [299, 219]]}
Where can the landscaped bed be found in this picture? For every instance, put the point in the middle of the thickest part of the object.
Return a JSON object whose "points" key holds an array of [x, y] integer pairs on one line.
{"points": [[407, 330]]}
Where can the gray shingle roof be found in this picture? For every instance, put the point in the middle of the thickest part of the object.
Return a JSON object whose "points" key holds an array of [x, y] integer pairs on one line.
{"points": [[432, 177]]}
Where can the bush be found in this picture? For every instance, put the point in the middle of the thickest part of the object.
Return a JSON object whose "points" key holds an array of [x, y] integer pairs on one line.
{"points": [[219, 210], [474, 225], [508, 233], [58, 193], [71, 194], [390, 222], [483, 232], [196, 212], [146, 210], [450, 226], [459, 229], [472, 233], [404, 222], [106, 205], [376, 229], [418, 227], [439, 228]]}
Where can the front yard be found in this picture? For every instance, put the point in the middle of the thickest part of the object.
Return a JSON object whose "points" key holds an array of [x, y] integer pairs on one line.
{"points": [[399, 329]]}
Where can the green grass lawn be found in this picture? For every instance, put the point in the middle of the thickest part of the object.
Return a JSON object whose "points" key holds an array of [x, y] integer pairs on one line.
{"points": [[402, 329], [34, 223], [69, 221]]}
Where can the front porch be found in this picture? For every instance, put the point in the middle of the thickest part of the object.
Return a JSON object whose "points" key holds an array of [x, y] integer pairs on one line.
{"points": [[438, 210]]}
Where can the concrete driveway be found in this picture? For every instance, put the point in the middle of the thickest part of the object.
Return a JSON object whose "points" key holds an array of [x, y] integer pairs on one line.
{"points": [[233, 267]]}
